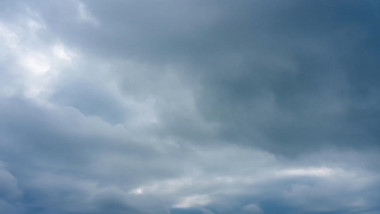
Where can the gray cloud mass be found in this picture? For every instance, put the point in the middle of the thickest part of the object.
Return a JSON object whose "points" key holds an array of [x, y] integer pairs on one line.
{"points": [[189, 107]]}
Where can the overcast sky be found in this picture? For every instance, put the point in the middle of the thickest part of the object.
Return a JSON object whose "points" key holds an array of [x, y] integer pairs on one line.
{"points": [[189, 107]]}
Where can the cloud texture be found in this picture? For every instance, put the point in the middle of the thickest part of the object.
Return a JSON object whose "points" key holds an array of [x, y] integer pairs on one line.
{"points": [[189, 107]]}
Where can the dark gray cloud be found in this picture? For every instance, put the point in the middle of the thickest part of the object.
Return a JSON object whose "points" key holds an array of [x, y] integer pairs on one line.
{"points": [[189, 107], [283, 76]]}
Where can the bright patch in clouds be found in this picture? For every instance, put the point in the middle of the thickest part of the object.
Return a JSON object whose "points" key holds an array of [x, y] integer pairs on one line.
{"points": [[36, 63], [85, 16], [314, 172], [138, 191], [193, 201], [63, 54]]}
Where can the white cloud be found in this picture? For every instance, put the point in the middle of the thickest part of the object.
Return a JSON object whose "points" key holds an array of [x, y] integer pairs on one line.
{"points": [[36, 63], [62, 53], [314, 172]]}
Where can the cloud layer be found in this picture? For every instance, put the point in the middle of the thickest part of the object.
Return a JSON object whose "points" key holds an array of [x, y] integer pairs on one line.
{"points": [[180, 107]]}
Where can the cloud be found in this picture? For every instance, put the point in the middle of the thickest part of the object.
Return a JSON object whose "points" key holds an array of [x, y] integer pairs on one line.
{"points": [[189, 107], [274, 80], [252, 208], [191, 201], [318, 172], [85, 16]]}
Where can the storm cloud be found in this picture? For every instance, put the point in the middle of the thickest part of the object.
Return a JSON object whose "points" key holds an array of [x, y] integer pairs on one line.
{"points": [[179, 107]]}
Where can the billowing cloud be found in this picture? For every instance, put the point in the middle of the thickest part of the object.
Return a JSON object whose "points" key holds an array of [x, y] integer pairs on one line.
{"points": [[177, 107]]}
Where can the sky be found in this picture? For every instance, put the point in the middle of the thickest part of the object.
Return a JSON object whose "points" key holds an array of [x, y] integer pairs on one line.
{"points": [[189, 107]]}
